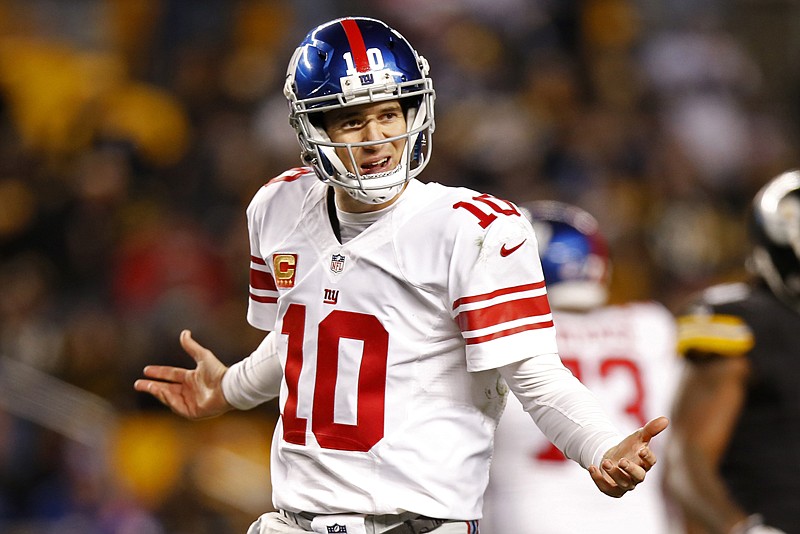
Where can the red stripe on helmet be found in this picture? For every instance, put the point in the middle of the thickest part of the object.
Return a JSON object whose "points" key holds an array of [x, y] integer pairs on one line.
{"points": [[357, 46]]}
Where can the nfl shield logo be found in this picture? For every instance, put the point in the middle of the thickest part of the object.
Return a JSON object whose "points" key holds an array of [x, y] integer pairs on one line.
{"points": [[337, 263]]}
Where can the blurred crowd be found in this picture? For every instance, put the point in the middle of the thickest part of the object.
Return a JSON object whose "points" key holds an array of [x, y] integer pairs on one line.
{"points": [[133, 133]]}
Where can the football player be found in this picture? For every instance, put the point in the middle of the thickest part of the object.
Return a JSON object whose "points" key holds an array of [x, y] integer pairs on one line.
{"points": [[398, 311], [732, 461], [625, 354]]}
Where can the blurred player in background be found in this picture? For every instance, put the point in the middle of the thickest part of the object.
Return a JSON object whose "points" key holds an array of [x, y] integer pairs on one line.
{"points": [[733, 462], [625, 354]]}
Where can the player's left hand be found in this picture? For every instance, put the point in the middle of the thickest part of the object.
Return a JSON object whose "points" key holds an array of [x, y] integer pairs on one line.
{"points": [[625, 465]]}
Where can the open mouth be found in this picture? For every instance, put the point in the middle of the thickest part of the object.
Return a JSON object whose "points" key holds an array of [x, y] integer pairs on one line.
{"points": [[376, 167]]}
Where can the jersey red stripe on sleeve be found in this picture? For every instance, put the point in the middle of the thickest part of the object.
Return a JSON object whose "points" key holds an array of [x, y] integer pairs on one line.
{"points": [[262, 284], [262, 280], [503, 312], [498, 293], [263, 299], [508, 332]]}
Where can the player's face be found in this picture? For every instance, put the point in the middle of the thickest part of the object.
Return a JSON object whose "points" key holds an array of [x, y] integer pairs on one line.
{"points": [[369, 122]]}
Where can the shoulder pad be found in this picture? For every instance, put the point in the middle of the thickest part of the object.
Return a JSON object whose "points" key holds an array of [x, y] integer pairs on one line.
{"points": [[725, 335]]}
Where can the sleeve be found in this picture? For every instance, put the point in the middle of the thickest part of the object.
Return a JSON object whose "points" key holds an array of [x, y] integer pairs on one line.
{"points": [[255, 379], [263, 303], [562, 407], [497, 290]]}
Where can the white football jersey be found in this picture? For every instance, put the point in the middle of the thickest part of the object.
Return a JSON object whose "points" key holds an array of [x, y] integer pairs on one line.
{"points": [[626, 356], [390, 343]]}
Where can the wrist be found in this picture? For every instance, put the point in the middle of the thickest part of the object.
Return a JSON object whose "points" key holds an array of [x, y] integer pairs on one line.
{"points": [[228, 386]]}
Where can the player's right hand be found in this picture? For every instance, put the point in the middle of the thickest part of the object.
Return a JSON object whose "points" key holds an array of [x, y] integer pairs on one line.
{"points": [[192, 393]]}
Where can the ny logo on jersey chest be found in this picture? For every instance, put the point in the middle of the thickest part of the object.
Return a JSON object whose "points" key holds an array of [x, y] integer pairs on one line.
{"points": [[331, 296]]}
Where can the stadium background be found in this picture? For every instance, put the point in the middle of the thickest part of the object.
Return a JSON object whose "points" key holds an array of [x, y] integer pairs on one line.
{"points": [[133, 133]]}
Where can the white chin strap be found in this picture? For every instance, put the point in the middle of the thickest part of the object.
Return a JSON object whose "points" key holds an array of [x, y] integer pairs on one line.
{"points": [[376, 196], [358, 186]]}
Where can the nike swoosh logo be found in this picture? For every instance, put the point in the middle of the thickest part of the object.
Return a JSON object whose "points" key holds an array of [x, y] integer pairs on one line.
{"points": [[506, 251]]}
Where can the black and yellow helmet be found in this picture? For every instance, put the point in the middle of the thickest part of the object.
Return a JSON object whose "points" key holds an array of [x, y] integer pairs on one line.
{"points": [[775, 227]]}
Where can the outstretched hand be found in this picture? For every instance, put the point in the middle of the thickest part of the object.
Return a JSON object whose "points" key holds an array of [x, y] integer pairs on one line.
{"points": [[625, 465], [192, 393]]}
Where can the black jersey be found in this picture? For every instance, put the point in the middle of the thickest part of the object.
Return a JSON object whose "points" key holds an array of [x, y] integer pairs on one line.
{"points": [[762, 464]]}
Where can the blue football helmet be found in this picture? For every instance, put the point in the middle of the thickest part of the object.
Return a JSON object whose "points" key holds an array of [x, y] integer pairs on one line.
{"points": [[350, 62], [775, 227], [573, 252]]}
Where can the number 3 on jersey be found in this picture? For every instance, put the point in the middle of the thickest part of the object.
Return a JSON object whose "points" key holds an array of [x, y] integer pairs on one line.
{"points": [[370, 387], [606, 369]]}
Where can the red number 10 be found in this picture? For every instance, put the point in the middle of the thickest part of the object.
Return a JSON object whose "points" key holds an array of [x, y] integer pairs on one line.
{"points": [[494, 203], [371, 389]]}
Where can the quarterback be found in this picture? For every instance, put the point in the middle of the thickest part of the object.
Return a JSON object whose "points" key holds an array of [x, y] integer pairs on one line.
{"points": [[399, 314]]}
